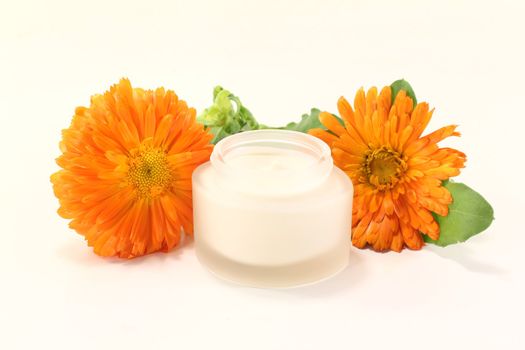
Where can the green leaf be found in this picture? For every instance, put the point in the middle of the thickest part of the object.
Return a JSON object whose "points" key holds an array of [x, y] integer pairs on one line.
{"points": [[218, 133], [227, 115], [308, 121], [468, 215], [402, 84]]}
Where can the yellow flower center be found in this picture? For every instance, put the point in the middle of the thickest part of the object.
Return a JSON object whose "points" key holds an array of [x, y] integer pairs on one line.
{"points": [[149, 171], [384, 167]]}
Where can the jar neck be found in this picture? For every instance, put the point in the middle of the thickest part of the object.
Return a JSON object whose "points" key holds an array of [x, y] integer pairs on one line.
{"points": [[271, 162]]}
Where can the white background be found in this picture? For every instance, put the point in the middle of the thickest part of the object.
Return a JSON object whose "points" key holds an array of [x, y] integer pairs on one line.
{"points": [[281, 57]]}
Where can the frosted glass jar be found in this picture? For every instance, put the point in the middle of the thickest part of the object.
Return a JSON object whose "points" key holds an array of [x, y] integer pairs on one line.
{"points": [[271, 210]]}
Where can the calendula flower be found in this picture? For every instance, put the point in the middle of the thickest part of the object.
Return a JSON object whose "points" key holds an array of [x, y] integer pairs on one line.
{"points": [[127, 162], [397, 173]]}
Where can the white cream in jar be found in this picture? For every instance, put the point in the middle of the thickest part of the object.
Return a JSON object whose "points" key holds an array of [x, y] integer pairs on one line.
{"points": [[271, 210]]}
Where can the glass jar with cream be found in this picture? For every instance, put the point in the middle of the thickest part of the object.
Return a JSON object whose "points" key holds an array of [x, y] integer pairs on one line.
{"points": [[271, 210]]}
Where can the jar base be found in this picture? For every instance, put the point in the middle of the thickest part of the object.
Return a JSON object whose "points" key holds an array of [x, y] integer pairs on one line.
{"points": [[296, 274]]}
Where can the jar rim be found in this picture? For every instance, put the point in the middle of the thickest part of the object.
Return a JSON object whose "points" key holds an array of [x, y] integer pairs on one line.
{"points": [[310, 175]]}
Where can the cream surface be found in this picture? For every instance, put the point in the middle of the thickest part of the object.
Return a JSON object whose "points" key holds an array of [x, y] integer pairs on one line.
{"points": [[267, 159]]}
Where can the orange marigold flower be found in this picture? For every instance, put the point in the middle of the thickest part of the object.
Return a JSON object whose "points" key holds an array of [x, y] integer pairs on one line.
{"points": [[127, 162], [396, 172]]}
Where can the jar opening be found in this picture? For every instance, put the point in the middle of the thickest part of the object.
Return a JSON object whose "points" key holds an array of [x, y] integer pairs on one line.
{"points": [[272, 161]]}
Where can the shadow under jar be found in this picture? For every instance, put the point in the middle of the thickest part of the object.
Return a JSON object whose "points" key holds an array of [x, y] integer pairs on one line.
{"points": [[271, 210]]}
